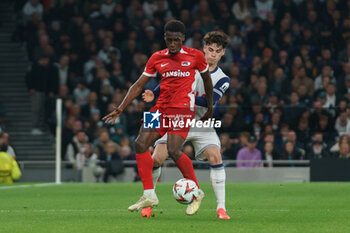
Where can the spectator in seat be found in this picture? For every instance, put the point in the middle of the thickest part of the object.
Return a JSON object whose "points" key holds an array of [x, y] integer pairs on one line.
{"points": [[331, 99], [276, 121], [92, 106], [241, 9], [344, 151], [261, 94], [75, 146], [325, 128], [327, 71], [107, 8], [108, 48], [269, 153], [341, 123], [301, 79], [318, 111], [114, 165], [85, 158], [291, 136], [294, 109], [239, 143], [263, 7], [81, 94], [334, 150], [70, 128], [31, 7], [303, 132], [101, 141], [226, 149], [249, 153], [291, 153], [304, 97], [318, 151]]}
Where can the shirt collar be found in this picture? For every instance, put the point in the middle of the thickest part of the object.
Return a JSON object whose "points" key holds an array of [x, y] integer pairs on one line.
{"points": [[214, 70], [181, 51]]}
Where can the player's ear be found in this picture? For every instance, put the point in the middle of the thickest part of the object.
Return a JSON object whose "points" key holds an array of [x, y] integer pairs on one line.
{"points": [[224, 51], [183, 37]]}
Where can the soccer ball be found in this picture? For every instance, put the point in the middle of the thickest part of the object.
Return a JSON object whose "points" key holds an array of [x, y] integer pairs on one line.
{"points": [[185, 191]]}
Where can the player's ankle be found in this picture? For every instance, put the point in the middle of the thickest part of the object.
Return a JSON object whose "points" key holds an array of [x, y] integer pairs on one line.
{"points": [[221, 206], [150, 193]]}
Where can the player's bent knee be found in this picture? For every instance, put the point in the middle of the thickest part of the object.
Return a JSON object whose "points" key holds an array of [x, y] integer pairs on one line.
{"points": [[174, 153], [214, 158], [140, 146], [157, 162]]}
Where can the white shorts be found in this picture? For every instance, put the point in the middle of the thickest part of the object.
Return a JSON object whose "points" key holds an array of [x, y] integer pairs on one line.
{"points": [[200, 141]]}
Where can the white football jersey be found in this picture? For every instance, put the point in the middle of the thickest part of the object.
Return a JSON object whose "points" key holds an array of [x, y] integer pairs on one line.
{"points": [[220, 84]]}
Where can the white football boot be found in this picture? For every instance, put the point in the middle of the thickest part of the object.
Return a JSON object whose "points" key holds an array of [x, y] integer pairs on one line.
{"points": [[144, 202], [194, 206]]}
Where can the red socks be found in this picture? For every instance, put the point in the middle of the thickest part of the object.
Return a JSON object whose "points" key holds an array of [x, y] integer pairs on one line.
{"points": [[145, 166], [186, 168]]}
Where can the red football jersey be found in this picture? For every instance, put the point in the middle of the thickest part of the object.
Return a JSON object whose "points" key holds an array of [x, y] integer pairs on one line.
{"points": [[178, 84]]}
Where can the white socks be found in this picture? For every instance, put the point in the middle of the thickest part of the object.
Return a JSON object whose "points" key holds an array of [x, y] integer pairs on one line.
{"points": [[149, 193], [156, 174], [218, 179]]}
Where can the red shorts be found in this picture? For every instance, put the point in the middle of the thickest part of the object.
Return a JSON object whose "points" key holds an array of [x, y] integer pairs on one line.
{"points": [[174, 120]]}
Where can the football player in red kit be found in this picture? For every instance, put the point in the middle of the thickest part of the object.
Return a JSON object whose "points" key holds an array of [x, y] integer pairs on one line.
{"points": [[177, 66]]}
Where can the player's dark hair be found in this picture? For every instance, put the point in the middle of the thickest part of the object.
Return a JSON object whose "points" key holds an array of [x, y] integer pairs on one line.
{"points": [[174, 26], [216, 37]]}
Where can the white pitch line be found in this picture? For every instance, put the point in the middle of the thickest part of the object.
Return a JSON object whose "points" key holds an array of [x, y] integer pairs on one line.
{"points": [[27, 186], [125, 210], [155, 210]]}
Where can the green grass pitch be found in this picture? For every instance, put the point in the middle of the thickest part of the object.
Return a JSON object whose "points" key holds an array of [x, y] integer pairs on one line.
{"points": [[253, 207]]}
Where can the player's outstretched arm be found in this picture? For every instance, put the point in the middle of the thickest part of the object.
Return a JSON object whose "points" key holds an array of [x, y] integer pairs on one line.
{"points": [[208, 85], [133, 92]]}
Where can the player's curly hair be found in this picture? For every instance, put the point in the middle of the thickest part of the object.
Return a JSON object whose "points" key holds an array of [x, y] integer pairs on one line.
{"points": [[174, 25], [217, 37]]}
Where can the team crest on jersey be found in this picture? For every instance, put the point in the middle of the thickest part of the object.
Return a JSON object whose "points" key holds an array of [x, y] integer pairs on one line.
{"points": [[185, 63]]}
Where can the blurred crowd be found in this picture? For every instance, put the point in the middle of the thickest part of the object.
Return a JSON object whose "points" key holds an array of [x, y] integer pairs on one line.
{"points": [[288, 61]]}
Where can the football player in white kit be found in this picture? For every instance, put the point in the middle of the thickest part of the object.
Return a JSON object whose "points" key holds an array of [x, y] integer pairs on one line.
{"points": [[205, 140]]}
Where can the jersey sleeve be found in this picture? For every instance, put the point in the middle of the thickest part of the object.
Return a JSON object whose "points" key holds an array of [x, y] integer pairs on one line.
{"points": [[221, 86], [219, 90], [156, 91], [150, 69], [202, 64]]}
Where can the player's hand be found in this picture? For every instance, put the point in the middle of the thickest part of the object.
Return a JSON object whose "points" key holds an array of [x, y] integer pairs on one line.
{"points": [[112, 116], [207, 115], [148, 96]]}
